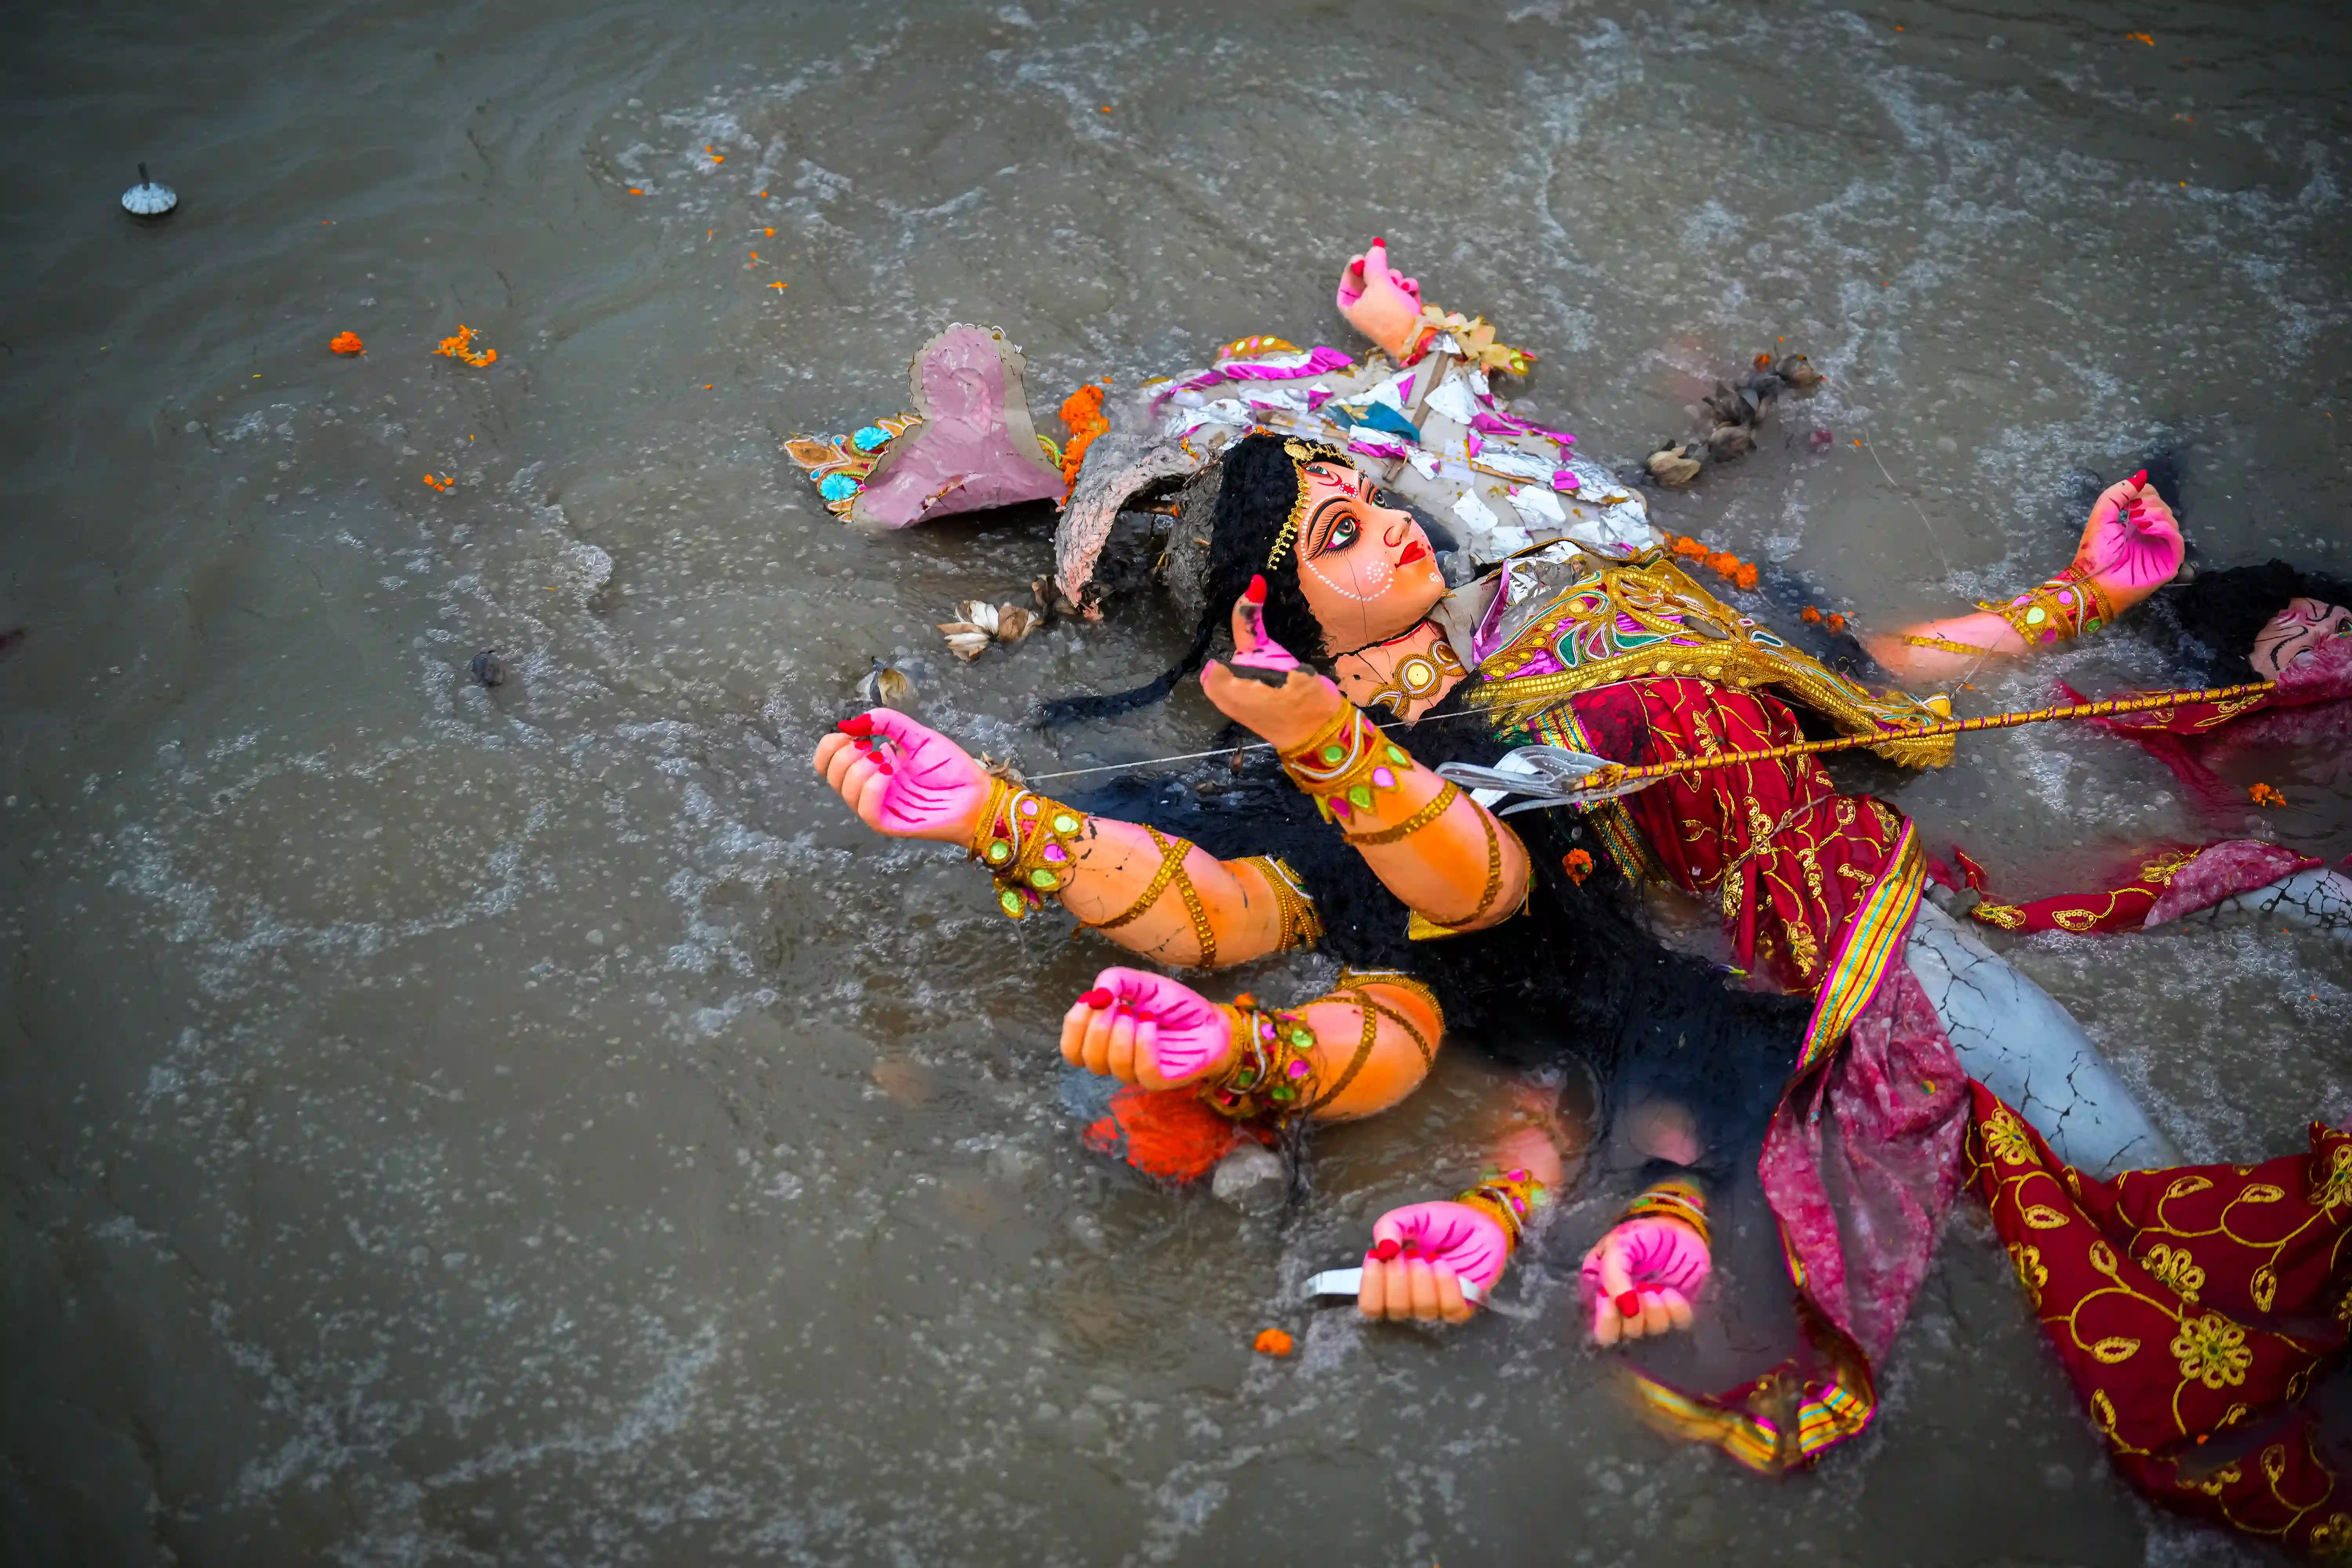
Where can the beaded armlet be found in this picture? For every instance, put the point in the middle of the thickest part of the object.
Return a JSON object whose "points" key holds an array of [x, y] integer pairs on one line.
{"points": [[1272, 1072], [1346, 765], [1672, 1200], [2056, 611], [1024, 840], [1510, 1198]]}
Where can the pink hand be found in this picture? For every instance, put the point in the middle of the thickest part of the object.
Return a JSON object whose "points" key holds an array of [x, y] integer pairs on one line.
{"points": [[1379, 301], [1145, 1028], [2132, 544], [1428, 1260], [1253, 645], [1640, 1279], [903, 779]]}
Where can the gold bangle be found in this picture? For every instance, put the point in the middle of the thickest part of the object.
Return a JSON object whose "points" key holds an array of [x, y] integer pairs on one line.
{"points": [[1510, 1198], [1437, 806], [1024, 840], [1346, 765], [1672, 1200], [1273, 1068], [1301, 923], [2057, 610]]}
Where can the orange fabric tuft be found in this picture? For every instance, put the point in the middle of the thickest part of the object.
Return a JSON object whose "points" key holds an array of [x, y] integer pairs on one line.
{"points": [[1169, 1134]]}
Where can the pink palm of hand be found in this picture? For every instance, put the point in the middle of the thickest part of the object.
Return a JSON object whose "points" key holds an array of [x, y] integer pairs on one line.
{"points": [[1642, 1277], [1453, 1236], [1146, 1028], [909, 781], [2132, 544]]}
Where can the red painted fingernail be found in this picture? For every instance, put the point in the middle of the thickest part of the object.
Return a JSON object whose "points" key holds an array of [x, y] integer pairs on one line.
{"points": [[887, 769], [2140, 477], [1629, 1305], [859, 724], [1386, 1250], [1098, 997], [1256, 593], [1141, 1016]]}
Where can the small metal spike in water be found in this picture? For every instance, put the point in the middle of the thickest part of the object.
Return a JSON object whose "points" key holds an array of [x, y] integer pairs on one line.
{"points": [[147, 199]]}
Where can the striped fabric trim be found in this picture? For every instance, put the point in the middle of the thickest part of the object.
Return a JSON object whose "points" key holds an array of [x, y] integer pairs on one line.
{"points": [[1873, 938]]}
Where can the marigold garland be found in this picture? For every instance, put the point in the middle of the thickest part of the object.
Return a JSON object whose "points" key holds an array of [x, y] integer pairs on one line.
{"points": [[460, 345], [1742, 574], [1082, 412]]}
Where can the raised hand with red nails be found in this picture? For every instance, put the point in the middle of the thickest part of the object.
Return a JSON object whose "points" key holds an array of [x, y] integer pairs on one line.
{"points": [[1421, 1257], [902, 779], [2132, 545], [1285, 712], [1379, 301]]}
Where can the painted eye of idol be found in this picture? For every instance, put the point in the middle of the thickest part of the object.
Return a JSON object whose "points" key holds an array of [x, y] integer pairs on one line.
{"points": [[1331, 521]]}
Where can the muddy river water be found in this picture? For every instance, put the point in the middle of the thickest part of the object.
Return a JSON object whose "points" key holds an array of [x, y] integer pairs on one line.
{"points": [[457, 1126]]}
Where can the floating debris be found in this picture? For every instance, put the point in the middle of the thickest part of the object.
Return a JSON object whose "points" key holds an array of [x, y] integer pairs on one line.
{"points": [[1733, 411], [346, 343], [887, 685], [488, 669], [1673, 466], [149, 200], [459, 344], [978, 624]]}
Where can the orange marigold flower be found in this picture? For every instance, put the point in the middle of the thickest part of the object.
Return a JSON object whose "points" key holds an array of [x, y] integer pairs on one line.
{"points": [[1082, 412], [2262, 794], [460, 345], [1809, 616], [347, 344], [1747, 576], [1577, 864], [1723, 564], [1836, 623], [1685, 546], [1273, 1341]]}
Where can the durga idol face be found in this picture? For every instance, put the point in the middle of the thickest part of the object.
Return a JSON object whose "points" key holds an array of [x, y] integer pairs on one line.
{"points": [[2300, 629], [1367, 570]]}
